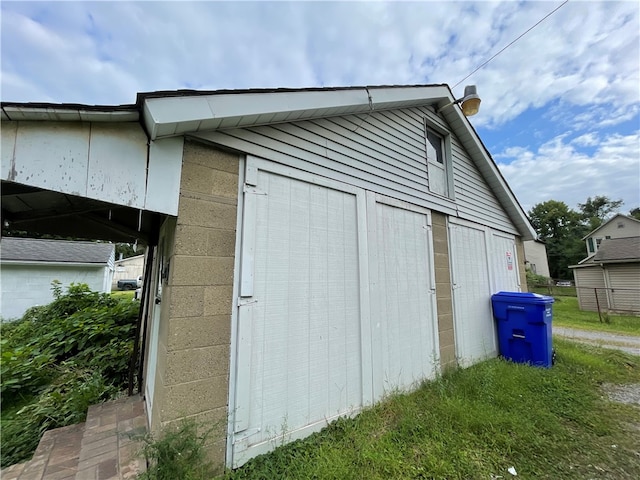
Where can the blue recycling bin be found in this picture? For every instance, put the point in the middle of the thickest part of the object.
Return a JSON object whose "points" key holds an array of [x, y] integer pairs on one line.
{"points": [[524, 327]]}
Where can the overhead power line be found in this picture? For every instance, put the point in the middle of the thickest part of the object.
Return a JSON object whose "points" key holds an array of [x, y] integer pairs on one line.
{"points": [[514, 41]]}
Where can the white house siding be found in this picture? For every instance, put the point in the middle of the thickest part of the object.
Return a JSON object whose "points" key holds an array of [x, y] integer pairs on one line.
{"points": [[536, 257], [588, 280], [128, 268], [624, 281], [383, 152], [618, 227], [25, 286]]}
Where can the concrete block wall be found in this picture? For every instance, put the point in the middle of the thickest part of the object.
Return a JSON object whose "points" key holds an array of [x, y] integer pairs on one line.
{"points": [[444, 298], [195, 329]]}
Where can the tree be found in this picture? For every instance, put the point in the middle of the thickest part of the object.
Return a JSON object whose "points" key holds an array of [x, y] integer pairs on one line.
{"points": [[561, 229], [635, 213], [595, 211]]}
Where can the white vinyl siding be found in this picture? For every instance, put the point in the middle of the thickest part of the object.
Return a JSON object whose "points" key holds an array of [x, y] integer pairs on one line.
{"points": [[590, 280], [624, 281], [383, 152]]}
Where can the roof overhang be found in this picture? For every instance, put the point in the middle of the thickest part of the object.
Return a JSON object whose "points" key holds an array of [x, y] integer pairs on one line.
{"points": [[167, 114], [191, 112]]}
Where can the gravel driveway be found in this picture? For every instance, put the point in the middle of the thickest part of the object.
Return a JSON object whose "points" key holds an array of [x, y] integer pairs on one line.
{"points": [[626, 343]]}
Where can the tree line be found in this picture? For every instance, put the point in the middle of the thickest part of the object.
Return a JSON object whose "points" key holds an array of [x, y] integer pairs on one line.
{"points": [[562, 229]]}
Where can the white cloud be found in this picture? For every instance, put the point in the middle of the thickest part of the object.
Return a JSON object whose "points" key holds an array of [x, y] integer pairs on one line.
{"points": [[556, 171], [586, 140], [582, 59], [587, 53]]}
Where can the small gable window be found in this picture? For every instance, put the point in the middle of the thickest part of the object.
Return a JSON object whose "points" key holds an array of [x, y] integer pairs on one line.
{"points": [[438, 163]]}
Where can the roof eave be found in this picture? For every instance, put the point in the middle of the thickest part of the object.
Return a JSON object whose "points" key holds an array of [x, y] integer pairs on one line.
{"points": [[191, 113], [473, 144]]}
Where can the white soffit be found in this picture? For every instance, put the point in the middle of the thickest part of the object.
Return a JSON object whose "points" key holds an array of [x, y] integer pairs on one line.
{"points": [[181, 114]]}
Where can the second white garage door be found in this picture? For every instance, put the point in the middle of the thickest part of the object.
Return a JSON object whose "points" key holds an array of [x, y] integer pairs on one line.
{"points": [[483, 262]]}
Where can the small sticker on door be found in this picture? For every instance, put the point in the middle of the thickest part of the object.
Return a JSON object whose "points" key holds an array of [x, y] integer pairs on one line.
{"points": [[509, 261]]}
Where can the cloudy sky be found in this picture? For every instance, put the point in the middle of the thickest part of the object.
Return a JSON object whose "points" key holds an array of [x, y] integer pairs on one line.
{"points": [[560, 107]]}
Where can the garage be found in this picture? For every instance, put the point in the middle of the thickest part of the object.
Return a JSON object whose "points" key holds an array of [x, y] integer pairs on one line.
{"points": [[336, 308], [483, 262]]}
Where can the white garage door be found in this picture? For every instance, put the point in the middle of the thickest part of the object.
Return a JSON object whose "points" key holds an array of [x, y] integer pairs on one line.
{"points": [[483, 262], [402, 295], [336, 305], [300, 355]]}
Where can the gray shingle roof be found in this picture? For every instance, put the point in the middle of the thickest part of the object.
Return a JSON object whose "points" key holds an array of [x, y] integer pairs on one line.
{"points": [[40, 250], [618, 249]]}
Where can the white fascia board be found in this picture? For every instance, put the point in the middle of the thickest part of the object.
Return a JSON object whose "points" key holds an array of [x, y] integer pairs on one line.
{"points": [[418, 95], [161, 115], [164, 169]]}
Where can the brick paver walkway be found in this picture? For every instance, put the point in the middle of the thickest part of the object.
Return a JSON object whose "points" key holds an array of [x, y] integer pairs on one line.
{"points": [[102, 448]]}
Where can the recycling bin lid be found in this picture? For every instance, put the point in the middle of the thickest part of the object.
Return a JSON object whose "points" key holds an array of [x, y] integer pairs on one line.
{"points": [[522, 297]]}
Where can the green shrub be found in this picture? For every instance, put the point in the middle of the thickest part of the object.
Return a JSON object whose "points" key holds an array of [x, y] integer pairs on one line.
{"points": [[177, 453], [63, 402], [62, 357], [535, 280]]}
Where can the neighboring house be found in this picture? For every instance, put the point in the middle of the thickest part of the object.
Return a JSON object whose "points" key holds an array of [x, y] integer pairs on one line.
{"points": [[29, 266], [535, 254], [312, 250], [128, 269], [609, 278], [618, 226]]}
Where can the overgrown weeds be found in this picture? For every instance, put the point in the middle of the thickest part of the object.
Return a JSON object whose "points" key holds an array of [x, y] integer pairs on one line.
{"points": [[178, 453], [57, 360]]}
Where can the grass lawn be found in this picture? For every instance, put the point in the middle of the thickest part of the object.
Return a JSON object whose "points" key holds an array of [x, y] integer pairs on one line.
{"points": [[128, 294], [567, 314], [477, 423]]}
